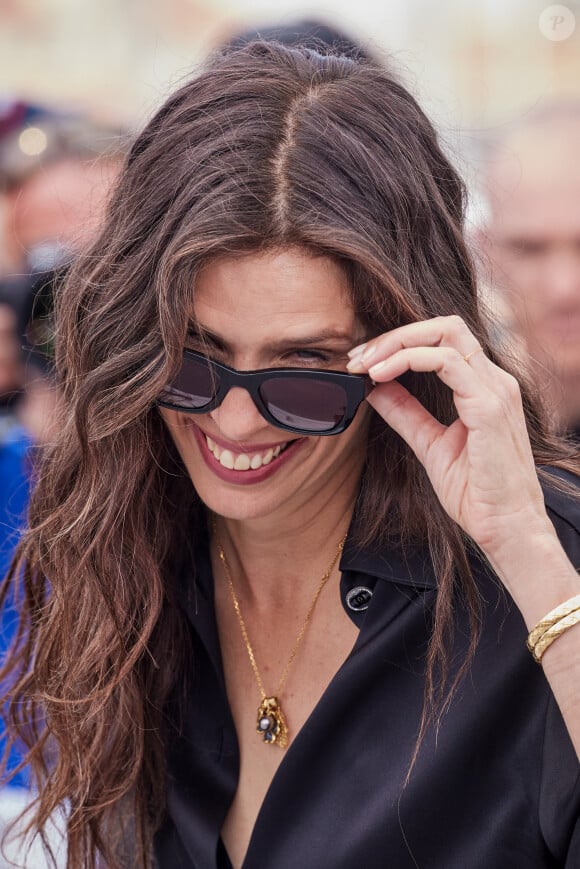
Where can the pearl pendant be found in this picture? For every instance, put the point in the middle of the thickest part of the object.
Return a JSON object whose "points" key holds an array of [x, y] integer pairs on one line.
{"points": [[271, 723]]}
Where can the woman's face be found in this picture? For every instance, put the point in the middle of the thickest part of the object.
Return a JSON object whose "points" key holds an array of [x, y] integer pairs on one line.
{"points": [[265, 310]]}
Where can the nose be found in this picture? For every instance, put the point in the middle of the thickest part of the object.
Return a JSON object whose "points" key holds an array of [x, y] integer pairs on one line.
{"points": [[237, 417]]}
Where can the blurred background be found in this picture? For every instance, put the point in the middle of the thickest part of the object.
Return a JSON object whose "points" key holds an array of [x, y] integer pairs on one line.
{"points": [[477, 63], [79, 77], [474, 66]]}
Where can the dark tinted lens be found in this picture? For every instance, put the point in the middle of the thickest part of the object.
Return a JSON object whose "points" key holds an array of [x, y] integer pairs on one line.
{"points": [[313, 405], [195, 385]]}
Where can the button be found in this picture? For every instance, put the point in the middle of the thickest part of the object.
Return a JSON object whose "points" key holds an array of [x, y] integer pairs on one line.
{"points": [[357, 599]]}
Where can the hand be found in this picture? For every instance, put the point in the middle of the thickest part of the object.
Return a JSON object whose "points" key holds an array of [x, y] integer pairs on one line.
{"points": [[481, 467]]}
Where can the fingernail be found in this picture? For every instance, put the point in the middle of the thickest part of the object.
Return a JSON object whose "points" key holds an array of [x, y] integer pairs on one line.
{"points": [[355, 365], [378, 369], [356, 351]]}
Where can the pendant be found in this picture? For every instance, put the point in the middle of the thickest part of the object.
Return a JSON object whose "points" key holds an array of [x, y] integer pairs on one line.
{"points": [[271, 723]]}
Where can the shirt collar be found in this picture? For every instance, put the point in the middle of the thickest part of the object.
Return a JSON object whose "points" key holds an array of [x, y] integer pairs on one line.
{"points": [[411, 566]]}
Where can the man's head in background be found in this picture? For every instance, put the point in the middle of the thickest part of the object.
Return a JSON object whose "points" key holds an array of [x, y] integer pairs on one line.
{"points": [[532, 242], [313, 33], [56, 173], [55, 176]]}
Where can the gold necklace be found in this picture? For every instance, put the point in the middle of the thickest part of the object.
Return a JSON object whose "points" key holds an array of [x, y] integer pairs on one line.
{"points": [[271, 724]]}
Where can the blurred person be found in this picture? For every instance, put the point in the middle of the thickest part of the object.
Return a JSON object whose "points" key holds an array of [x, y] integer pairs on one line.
{"points": [[26, 424], [14, 441], [55, 176], [307, 32], [52, 203], [302, 540], [15, 447], [532, 243], [10, 360]]}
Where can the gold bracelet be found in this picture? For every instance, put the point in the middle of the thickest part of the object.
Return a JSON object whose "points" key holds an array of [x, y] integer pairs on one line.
{"points": [[553, 633], [553, 625], [559, 612]]}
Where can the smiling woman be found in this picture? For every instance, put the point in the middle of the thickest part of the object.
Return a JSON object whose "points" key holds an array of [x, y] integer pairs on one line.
{"points": [[289, 313], [297, 498]]}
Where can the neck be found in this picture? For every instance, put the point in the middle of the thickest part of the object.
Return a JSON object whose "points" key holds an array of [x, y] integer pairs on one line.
{"points": [[274, 559]]}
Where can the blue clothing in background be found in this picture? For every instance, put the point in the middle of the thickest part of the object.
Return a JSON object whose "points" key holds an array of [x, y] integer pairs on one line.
{"points": [[15, 447]]}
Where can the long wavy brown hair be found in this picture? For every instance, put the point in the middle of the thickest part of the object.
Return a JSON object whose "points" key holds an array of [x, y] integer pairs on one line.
{"points": [[267, 147]]}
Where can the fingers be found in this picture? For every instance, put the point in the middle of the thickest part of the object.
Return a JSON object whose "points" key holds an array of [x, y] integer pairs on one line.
{"points": [[484, 394], [407, 416], [447, 363], [473, 352], [442, 332], [481, 466]]}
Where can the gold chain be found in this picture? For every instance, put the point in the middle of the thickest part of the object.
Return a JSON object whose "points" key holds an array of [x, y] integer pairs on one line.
{"points": [[271, 723]]}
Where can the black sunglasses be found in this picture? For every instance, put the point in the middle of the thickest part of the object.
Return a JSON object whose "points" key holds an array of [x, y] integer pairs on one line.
{"points": [[300, 400]]}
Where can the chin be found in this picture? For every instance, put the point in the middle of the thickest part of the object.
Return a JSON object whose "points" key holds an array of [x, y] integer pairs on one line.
{"points": [[241, 506]]}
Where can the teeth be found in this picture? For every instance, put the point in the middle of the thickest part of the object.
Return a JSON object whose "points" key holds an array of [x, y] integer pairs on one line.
{"points": [[227, 459], [243, 461]]}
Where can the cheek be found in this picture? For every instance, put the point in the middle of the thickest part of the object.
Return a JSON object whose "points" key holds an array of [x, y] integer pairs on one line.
{"points": [[523, 290], [178, 429], [354, 440], [525, 276]]}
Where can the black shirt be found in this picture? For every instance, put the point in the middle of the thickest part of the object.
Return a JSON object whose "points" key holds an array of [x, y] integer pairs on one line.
{"points": [[498, 787]]}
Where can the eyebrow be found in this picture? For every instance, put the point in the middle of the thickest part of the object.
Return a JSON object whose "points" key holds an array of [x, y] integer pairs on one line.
{"points": [[323, 337]]}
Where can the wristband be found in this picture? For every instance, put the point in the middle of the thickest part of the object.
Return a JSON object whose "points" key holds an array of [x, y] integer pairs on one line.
{"points": [[553, 625]]}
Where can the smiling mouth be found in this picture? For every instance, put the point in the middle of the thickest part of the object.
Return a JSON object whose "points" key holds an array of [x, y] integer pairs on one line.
{"points": [[244, 461]]}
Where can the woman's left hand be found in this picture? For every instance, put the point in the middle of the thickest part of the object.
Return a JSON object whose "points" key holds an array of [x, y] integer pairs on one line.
{"points": [[481, 466], [483, 472]]}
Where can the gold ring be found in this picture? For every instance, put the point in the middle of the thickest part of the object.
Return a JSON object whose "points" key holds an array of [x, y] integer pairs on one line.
{"points": [[473, 352]]}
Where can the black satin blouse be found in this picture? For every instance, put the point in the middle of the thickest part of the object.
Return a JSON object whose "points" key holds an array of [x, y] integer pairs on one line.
{"points": [[498, 787]]}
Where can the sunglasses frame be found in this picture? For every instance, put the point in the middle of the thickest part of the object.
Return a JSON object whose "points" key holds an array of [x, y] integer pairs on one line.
{"points": [[356, 387]]}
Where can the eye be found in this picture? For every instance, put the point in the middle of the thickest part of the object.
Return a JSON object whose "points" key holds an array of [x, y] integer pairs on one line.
{"points": [[528, 247], [306, 356]]}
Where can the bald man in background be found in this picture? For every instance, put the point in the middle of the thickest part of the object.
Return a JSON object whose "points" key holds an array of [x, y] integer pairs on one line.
{"points": [[532, 244]]}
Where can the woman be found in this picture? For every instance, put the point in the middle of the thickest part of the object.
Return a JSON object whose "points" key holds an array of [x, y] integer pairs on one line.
{"points": [[287, 614]]}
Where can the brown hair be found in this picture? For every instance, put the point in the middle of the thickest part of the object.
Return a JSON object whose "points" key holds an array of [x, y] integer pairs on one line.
{"points": [[268, 146]]}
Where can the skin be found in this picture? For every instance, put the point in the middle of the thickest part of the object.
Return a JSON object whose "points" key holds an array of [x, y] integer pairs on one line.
{"points": [[533, 242], [481, 468], [10, 367], [259, 308], [61, 204]]}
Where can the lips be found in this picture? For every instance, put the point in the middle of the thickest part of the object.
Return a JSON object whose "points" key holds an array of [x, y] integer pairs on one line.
{"points": [[253, 465]]}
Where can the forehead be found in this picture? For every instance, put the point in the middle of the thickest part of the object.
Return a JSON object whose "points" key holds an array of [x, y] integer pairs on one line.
{"points": [[275, 290]]}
